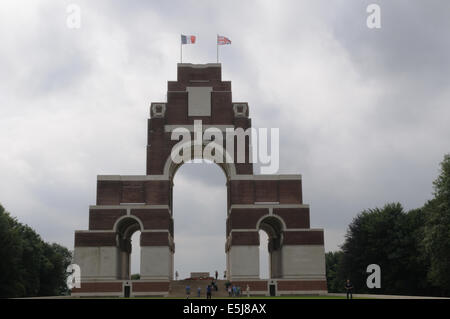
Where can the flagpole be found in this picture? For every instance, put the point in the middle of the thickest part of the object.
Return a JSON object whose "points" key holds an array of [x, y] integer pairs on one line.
{"points": [[217, 46], [181, 52]]}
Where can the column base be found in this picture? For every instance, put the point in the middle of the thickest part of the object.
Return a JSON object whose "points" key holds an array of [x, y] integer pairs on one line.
{"points": [[116, 288]]}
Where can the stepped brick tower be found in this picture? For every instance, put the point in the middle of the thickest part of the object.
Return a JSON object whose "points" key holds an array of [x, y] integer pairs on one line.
{"points": [[125, 204]]}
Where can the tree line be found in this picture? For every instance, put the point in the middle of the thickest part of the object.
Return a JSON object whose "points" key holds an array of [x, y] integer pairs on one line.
{"points": [[411, 247], [29, 266]]}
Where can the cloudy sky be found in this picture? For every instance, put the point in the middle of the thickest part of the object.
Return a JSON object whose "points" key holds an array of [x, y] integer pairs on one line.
{"points": [[363, 113]]}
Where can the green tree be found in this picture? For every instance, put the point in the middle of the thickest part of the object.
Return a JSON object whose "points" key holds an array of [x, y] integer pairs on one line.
{"points": [[32, 259], [335, 282], [53, 274], [436, 241], [416, 264], [390, 238], [11, 247], [28, 265], [135, 276], [412, 248]]}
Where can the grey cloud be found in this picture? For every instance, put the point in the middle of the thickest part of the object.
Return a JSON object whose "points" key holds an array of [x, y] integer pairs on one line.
{"points": [[362, 113]]}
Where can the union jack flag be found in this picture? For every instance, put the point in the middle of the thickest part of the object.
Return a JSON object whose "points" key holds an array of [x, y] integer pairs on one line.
{"points": [[221, 40]]}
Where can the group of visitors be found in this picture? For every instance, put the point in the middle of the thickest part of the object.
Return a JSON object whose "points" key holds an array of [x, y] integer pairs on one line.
{"points": [[199, 292], [233, 290], [236, 291], [209, 290]]}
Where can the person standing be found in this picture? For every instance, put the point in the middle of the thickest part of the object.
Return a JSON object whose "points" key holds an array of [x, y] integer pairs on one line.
{"points": [[176, 275], [188, 291], [199, 292], [217, 274], [248, 290], [208, 292], [349, 289], [224, 274]]}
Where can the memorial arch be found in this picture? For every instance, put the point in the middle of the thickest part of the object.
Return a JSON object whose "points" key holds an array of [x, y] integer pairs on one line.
{"points": [[125, 204]]}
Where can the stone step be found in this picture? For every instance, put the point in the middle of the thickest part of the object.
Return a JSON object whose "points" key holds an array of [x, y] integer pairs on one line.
{"points": [[178, 288]]}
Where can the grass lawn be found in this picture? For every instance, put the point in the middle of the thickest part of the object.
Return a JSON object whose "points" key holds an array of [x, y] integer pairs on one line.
{"points": [[254, 297]]}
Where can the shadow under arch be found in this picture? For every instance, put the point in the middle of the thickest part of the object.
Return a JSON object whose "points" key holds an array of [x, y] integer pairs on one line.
{"points": [[125, 227], [274, 227]]}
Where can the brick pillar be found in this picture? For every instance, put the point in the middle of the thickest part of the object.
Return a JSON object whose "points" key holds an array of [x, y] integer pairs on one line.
{"points": [[97, 254], [243, 255], [156, 256]]}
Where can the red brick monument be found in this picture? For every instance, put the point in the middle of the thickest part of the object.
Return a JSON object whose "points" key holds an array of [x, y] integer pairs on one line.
{"points": [[125, 204]]}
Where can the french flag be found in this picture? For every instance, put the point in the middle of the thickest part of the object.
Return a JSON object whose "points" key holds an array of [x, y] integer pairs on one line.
{"points": [[187, 39]]}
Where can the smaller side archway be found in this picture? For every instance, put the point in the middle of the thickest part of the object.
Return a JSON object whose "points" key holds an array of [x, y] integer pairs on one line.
{"points": [[274, 227], [125, 227]]}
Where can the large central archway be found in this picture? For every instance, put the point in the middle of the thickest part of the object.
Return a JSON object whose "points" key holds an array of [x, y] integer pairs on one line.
{"points": [[199, 214]]}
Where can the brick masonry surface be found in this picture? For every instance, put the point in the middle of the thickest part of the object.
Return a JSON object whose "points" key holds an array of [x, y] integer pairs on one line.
{"points": [[150, 286], [301, 285], [99, 287], [283, 195]]}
